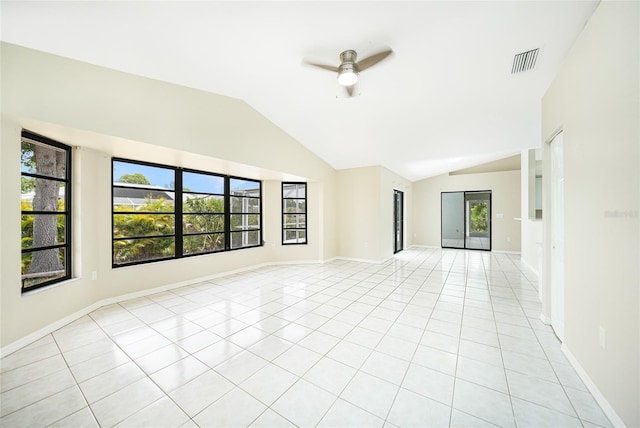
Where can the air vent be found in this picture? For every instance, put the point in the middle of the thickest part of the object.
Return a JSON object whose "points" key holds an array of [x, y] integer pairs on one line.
{"points": [[524, 61]]}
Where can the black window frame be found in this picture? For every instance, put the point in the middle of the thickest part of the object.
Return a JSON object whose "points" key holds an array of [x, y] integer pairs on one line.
{"points": [[183, 213], [285, 229], [179, 213], [230, 211], [67, 246]]}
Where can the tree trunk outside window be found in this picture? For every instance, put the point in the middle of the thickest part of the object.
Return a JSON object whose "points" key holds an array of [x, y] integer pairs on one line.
{"points": [[51, 163]]}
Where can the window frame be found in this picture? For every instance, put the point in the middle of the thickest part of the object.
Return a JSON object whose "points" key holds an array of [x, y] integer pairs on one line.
{"points": [[67, 246], [183, 213], [179, 213], [135, 212], [285, 229]]}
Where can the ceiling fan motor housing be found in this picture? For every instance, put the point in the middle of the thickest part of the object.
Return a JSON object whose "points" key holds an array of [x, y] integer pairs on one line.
{"points": [[348, 69], [348, 56]]}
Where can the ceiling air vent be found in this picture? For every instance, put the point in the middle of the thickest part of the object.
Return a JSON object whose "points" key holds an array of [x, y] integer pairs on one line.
{"points": [[524, 61]]}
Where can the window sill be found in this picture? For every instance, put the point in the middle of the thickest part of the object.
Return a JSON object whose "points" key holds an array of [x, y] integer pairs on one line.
{"points": [[49, 287]]}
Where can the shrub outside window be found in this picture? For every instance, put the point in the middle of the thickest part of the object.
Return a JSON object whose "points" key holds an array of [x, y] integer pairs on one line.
{"points": [[45, 211]]}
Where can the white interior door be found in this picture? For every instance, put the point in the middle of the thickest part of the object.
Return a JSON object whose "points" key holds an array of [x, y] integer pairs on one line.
{"points": [[556, 219]]}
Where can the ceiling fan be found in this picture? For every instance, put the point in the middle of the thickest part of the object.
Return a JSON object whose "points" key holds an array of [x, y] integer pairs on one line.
{"points": [[349, 66]]}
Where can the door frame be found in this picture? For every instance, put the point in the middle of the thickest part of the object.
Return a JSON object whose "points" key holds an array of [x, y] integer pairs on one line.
{"points": [[553, 305], [466, 219], [398, 218]]}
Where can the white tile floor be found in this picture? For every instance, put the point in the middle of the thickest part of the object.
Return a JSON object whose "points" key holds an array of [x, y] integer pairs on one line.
{"points": [[432, 338]]}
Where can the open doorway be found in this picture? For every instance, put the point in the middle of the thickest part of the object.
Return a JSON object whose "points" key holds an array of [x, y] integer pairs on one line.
{"points": [[398, 221], [466, 220]]}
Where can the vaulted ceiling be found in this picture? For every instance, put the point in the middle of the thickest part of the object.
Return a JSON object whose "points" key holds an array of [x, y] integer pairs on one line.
{"points": [[445, 100]]}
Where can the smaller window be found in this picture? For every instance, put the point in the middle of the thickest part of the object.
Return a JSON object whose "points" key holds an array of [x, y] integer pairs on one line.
{"points": [[245, 218], [46, 211], [294, 213]]}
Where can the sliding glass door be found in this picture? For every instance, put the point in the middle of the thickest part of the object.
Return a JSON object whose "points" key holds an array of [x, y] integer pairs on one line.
{"points": [[466, 220]]}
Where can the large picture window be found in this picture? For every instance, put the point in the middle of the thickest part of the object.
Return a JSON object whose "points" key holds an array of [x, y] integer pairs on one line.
{"points": [[163, 212], [45, 211], [294, 213]]}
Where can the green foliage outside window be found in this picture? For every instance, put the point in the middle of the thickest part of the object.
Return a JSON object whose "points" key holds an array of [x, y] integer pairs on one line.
{"points": [[479, 217], [202, 225]]}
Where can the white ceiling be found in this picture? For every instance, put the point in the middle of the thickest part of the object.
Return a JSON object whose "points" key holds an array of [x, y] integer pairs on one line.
{"points": [[445, 99]]}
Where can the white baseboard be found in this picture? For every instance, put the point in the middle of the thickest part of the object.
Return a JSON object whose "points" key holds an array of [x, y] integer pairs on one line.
{"points": [[593, 389], [506, 252], [531, 268], [545, 319], [39, 334]]}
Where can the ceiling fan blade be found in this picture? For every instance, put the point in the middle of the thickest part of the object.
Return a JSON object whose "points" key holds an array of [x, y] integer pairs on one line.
{"points": [[373, 59], [323, 66]]}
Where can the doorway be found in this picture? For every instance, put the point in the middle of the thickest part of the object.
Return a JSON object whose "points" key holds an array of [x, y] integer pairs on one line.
{"points": [[556, 219], [398, 221], [466, 220]]}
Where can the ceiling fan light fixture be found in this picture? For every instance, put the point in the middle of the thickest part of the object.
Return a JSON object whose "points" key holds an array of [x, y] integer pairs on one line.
{"points": [[347, 75]]}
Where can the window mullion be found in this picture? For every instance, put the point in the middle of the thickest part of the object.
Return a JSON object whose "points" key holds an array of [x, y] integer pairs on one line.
{"points": [[177, 206], [227, 213]]}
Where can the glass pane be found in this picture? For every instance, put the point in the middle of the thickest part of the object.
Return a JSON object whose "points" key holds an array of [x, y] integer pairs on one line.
{"points": [[138, 225], [197, 223], [240, 187], [144, 200], [195, 244], [202, 183], [295, 205], [245, 205], [290, 236], [453, 220], [295, 237], [203, 204], [43, 159], [42, 230], [295, 221], [479, 217], [138, 250], [290, 190], [152, 177], [42, 266], [245, 222], [478, 235], [245, 239], [40, 194]]}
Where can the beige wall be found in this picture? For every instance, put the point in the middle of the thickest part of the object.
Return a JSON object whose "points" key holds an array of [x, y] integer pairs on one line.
{"points": [[595, 100], [505, 198], [365, 212], [105, 113]]}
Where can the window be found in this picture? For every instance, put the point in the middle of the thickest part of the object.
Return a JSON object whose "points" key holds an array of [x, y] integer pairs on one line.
{"points": [[162, 212], [45, 211], [203, 219], [294, 213], [245, 207], [144, 212]]}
